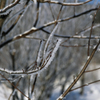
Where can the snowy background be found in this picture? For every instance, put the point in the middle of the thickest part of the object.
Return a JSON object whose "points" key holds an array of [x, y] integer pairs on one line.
{"points": [[91, 92]]}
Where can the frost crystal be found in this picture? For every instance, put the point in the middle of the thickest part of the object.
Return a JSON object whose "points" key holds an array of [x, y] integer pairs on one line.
{"points": [[53, 53], [50, 38]]}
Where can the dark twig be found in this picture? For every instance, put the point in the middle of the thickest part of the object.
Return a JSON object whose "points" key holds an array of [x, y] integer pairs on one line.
{"points": [[13, 85], [37, 16], [84, 85], [33, 29], [92, 30], [9, 6], [92, 70], [33, 86], [21, 12], [14, 88]]}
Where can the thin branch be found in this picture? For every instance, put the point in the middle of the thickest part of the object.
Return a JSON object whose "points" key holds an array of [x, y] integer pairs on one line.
{"points": [[39, 55], [9, 6], [2, 17], [92, 70], [65, 36], [56, 35], [13, 85], [14, 90], [37, 16], [65, 4], [80, 74], [21, 13], [34, 71], [92, 30], [88, 29], [32, 37], [84, 85], [76, 45]]}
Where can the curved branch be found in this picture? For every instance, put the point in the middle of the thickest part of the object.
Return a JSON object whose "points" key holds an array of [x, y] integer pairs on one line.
{"points": [[65, 4], [33, 29], [85, 85], [9, 6]]}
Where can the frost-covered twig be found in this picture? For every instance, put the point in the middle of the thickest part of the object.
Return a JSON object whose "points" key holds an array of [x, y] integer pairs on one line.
{"points": [[50, 38], [53, 53], [33, 86], [14, 89], [35, 71], [10, 79], [63, 3], [9, 7], [39, 56], [82, 32], [20, 15], [37, 15]]}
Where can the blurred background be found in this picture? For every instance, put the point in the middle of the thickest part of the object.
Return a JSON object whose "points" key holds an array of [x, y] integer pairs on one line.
{"points": [[69, 59]]}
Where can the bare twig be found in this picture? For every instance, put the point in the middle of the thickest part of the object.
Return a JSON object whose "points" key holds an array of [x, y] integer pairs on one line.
{"points": [[76, 45], [13, 85], [20, 14], [34, 84], [80, 74], [14, 89], [92, 70], [34, 71], [91, 30]]}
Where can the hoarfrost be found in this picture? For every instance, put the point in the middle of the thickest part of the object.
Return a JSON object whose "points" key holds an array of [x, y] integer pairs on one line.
{"points": [[53, 53], [50, 38]]}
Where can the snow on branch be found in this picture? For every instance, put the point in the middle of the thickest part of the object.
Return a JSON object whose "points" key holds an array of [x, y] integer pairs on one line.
{"points": [[63, 3], [36, 71], [53, 53], [33, 29], [50, 38], [9, 6]]}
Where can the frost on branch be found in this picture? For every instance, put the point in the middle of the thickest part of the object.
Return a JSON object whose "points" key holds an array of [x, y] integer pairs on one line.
{"points": [[52, 55]]}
